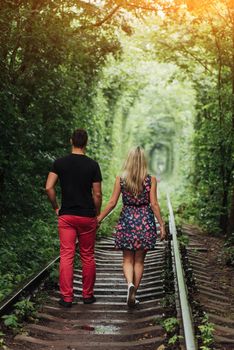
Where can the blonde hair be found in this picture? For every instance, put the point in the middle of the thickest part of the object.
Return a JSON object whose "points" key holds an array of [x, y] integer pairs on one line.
{"points": [[135, 170]]}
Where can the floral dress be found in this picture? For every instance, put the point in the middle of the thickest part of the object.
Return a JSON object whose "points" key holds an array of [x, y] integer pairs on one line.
{"points": [[136, 228]]}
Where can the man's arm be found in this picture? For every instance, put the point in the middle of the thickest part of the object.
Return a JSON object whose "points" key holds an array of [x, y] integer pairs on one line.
{"points": [[50, 190], [97, 196]]}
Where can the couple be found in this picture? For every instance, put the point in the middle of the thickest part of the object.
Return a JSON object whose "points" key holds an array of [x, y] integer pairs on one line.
{"points": [[79, 216]]}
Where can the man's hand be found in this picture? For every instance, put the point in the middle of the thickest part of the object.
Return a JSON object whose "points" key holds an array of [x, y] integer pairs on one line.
{"points": [[98, 222], [56, 211]]}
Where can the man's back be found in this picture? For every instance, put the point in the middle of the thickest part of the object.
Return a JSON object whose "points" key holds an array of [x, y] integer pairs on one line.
{"points": [[80, 180], [77, 173]]}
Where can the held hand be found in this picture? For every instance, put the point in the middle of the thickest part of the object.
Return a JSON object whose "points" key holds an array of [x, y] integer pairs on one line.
{"points": [[99, 220]]}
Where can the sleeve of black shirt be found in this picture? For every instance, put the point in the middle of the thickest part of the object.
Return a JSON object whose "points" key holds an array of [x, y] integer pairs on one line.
{"points": [[97, 175], [54, 168]]}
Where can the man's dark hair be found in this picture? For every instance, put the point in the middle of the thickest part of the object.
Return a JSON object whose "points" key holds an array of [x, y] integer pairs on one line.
{"points": [[79, 138]]}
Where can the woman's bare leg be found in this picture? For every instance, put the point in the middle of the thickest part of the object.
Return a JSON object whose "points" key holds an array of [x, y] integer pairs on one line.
{"points": [[138, 267], [128, 265]]}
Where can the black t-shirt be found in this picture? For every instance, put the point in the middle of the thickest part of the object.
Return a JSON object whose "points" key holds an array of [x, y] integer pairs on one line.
{"points": [[76, 173]]}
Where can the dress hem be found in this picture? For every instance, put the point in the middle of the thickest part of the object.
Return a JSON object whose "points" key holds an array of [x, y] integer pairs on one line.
{"points": [[134, 250]]}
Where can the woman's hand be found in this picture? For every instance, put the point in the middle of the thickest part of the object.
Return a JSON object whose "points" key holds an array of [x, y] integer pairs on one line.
{"points": [[162, 233]]}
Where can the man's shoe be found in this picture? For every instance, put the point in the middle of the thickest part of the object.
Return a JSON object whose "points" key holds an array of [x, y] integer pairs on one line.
{"points": [[90, 300], [131, 295], [65, 303]]}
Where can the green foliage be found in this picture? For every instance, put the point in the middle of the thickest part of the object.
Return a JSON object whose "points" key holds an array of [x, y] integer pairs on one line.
{"points": [[11, 321], [228, 251], [42, 296], [191, 36], [174, 339], [18, 258], [170, 324], [23, 310], [2, 341], [183, 239], [166, 85], [51, 59], [107, 226], [207, 333], [54, 275], [168, 300], [48, 81]]}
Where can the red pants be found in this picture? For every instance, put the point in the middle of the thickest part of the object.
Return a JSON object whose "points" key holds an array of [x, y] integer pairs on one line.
{"points": [[84, 228]]}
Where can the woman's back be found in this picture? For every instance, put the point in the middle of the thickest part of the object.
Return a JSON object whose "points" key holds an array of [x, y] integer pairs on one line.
{"points": [[136, 228], [135, 232], [142, 199]]}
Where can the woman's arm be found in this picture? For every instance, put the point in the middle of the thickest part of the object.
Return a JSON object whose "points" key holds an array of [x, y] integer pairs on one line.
{"points": [[155, 206], [112, 202]]}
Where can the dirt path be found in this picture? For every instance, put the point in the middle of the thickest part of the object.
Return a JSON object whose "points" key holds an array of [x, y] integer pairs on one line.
{"points": [[215, 282]]}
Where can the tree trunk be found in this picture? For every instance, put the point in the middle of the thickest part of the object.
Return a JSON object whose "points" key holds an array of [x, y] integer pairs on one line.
{"points": [[224, 216], [231, 212], [231, 216]]}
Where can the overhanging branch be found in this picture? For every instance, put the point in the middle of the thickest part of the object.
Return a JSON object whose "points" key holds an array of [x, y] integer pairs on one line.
{"points": [[98, 24]]}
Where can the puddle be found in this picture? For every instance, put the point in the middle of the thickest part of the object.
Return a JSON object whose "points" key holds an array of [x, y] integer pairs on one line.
{"points": [[102, 329]]}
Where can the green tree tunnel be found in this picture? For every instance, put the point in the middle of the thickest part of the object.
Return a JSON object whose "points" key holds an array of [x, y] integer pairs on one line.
{"points": [[157, 74]]}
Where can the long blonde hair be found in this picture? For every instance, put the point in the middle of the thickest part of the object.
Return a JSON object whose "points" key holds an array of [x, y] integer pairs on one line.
{"points": [[135, 170]]}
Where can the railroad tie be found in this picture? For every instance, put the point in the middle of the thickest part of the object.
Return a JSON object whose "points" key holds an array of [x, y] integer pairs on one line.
{"points": [[108, 323]]}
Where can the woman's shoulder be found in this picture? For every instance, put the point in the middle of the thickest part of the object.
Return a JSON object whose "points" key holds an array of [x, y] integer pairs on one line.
{"points": [[120, 179], [153, 178], [150, 179]]}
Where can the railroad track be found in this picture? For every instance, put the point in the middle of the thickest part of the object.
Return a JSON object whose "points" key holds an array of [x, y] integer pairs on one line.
{"points": [[109, 323]]}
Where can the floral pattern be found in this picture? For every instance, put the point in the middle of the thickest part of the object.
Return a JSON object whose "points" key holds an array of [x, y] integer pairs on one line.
{"points": [[136, 228]]}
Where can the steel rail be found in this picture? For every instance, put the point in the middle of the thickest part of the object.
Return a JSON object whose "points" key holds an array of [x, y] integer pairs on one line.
{"points": [[187, 319], [27, 286], [30, 284]]}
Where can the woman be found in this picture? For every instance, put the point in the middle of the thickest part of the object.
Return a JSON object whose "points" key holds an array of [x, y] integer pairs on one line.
{"points": [[136, 229]]}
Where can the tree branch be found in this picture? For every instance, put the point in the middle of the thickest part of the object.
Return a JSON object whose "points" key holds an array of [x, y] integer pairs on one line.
{"points": [[229, 11], [190, 54], [220, 14], [87, 5], [98, 24], [141, 7]]}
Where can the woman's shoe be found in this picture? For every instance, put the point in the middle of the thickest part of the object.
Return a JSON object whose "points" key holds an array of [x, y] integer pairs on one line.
{"points": [[131, 295]]}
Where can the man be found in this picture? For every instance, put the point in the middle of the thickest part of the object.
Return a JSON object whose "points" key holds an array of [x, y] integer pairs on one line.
{"points": [[80, 180]]}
